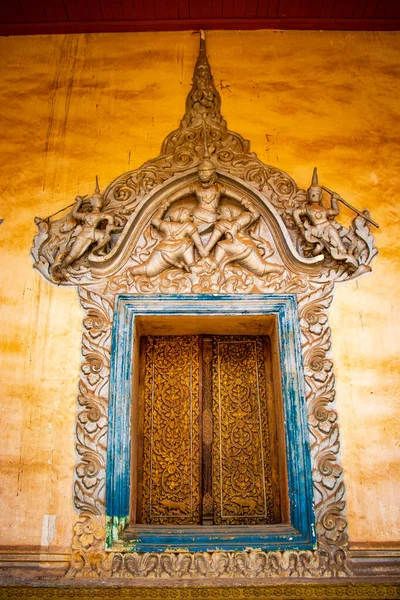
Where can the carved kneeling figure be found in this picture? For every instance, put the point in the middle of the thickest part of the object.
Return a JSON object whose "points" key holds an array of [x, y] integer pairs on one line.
{"points": [[176, 249], [240, 248]]}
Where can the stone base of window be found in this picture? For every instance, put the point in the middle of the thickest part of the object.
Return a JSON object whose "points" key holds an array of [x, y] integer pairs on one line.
{"points": [[35, 573]]}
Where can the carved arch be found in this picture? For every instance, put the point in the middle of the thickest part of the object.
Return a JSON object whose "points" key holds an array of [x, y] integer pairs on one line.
{"points": [[116, 260]]}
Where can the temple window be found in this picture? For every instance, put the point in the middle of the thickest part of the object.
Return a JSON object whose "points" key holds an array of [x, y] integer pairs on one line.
{"points": [[203, 444]]}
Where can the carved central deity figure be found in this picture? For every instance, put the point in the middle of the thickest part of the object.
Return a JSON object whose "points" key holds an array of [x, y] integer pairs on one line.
{"points": [[208, 193], [190, 234]]}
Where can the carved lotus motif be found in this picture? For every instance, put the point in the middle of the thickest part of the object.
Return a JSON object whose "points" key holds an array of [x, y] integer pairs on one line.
{"points": [[93, 368], [328, 470], [317, 365], [88, 471], [313, 318], [89, 532], [92, 420], [94, 323], [322, 417], [332, 526]]}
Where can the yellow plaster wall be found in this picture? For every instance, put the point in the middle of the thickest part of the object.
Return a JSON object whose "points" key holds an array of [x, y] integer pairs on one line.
{"points": [[76, 106]]}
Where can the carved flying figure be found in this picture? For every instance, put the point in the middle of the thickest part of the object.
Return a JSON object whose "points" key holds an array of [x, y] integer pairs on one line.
{"points": [[318, 226], [88, 232]]}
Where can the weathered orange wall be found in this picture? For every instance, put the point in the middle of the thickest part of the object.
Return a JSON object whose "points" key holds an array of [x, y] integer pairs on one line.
{"points": [[76, 106]]}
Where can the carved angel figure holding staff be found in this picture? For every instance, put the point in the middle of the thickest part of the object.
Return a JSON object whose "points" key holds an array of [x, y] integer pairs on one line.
{"points": [[317, 223], [89, 231]]}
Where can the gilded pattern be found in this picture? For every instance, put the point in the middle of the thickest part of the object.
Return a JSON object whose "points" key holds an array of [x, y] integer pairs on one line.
{"points": [[242, 464], [171, 484], [361, 591], [313, 591]]}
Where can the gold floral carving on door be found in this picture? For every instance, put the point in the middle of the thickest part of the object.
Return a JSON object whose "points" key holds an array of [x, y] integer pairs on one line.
{"points": [[171, 475], [208, 447], [243, 490]]}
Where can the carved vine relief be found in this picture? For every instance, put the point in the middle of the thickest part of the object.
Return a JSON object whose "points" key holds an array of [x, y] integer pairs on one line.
{"points": [[205, 216]]}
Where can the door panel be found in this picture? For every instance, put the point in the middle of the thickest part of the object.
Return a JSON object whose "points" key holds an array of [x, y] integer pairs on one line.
{"points": [[242, 474], [208, 432], [171, 457]]}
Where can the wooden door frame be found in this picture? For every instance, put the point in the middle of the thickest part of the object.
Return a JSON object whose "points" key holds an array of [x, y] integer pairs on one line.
{"points": [[300, 532]]}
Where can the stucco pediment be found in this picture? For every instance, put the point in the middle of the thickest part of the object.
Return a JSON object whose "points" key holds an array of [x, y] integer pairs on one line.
{"points": [[241, 212]]}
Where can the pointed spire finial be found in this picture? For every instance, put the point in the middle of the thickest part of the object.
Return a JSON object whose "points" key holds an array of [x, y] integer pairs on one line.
{"points": [[206, 163], [203, 112], [314, 180], [202, 49], [203, 103], [97, 190], [206, 153]]}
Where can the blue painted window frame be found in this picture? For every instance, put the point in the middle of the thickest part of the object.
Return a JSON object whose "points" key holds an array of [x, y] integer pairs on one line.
{"points": [[300, 533]]}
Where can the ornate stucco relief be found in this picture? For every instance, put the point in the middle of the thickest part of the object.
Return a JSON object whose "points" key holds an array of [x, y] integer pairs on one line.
{"points": [[206, 216]]}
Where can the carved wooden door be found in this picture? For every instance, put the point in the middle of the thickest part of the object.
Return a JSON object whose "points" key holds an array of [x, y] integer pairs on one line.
{"points": [[207, 453]]}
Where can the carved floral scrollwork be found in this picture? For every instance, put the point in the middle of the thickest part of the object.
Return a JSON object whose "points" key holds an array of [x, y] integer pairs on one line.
{"points": [[327, 471], [171, 484], [242, 463], [330, 559], [91, 427], [194, 566]]}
